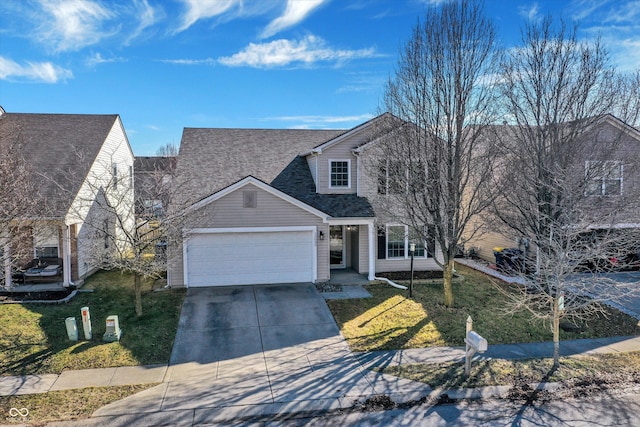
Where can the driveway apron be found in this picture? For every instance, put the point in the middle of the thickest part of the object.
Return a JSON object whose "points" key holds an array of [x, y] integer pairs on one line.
{"points": [[247, 345]]}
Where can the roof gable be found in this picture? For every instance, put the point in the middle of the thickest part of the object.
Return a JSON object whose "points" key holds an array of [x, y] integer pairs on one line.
{"points": [[263, 186]]}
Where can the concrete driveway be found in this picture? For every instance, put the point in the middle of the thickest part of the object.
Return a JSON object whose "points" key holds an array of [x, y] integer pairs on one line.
{"points": [[253, 345], [627, 283]]}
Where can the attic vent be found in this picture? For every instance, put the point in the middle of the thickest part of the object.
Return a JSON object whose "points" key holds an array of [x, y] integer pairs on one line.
{"points": [[250, 199]]}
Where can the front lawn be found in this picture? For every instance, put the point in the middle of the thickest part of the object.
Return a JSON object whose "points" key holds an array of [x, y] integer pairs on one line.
{"points": [[598, 370], [34, 338], [390, 320]]}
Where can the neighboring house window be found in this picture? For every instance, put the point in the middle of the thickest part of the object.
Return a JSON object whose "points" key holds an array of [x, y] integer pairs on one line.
{"points": [[114, 175], [47, 252], [153, 208], [339, 171], [249, 199], [604, 178]]}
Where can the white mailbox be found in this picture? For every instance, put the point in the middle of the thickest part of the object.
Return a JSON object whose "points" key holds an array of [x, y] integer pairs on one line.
{"points": [[112, 332], [478, 343], [86, 322]]}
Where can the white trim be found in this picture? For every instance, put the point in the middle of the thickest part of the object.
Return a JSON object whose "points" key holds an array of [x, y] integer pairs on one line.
{"points": [[348, 134], [188, 232], [250, 229], [263, 186], [372, 250], [350, 221], [348, 174], [357, 174]]}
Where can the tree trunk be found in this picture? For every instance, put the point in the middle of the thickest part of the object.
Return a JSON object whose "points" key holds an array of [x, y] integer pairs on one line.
{"points": [[556, 333], [448, 283], [137, 288]]}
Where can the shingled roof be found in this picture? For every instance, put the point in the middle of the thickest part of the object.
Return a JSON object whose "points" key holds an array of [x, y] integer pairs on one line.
{"points": [[211, 159], [296, 181], [59, 148]]}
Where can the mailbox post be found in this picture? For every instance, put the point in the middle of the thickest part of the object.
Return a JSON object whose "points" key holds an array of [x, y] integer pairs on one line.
{"points": [[474, 343]]}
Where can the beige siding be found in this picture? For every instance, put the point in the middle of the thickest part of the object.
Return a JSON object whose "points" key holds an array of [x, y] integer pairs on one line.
{"points": [[484, 244], [271, 211], [342, 150]]}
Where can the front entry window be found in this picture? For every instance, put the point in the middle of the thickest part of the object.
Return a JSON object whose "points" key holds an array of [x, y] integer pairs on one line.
{"points": [[336, 246]]}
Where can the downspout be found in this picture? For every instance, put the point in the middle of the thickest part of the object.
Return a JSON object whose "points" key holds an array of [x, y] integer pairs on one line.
{"points": [[372, 261], [66, 252]]}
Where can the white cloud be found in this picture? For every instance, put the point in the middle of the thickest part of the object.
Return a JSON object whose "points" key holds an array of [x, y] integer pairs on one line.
{"points": [[581, 9], [279, 53], [320, 120], [530, 13], [203, 9], [146, 16], [206, 61], [296, 11], [625, 13], [43, 72], [97, 59], [73, 24]]}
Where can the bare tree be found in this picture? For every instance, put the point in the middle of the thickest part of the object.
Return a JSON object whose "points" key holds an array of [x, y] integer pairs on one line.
{"points": [[436, 165], [167, 150], [131, 230], [20, 202], [560, 176]]}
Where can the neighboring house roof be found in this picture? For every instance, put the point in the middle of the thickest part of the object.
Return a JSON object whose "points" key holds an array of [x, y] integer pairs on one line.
{"points": [[296, 181], [60, 148], [150, 173], [212, 159], [152, 164]]}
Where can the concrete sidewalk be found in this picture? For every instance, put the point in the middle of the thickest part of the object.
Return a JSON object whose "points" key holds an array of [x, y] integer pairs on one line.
{"points": [[129, 375]]}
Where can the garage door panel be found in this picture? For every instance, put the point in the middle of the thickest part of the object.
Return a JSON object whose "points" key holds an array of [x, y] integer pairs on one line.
{"points": [[250, 258]]}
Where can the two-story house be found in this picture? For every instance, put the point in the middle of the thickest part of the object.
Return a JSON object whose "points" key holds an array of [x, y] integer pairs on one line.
{"points": [[283, 206], [602, 180], [73, 161]]}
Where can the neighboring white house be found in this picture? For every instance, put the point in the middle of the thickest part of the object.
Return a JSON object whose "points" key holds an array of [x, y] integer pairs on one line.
{"points": [[74, 161]]}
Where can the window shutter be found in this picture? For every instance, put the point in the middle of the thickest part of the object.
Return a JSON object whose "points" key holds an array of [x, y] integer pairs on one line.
{"points": [[382, 243]]}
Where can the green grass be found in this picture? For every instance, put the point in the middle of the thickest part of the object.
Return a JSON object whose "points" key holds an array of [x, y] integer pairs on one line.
{"points": [[63, 405], [390, 320], [34, 338], [597, 369]]}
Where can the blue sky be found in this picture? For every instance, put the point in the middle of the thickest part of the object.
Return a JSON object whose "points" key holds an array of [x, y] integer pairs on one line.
{"points": [[168, 64]]}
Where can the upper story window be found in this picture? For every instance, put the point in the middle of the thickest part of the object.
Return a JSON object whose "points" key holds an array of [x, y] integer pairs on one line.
{"points": [[604, 178], [395, 178], [340, 171]]}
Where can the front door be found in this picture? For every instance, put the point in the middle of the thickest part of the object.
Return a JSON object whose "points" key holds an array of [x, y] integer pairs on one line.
{"points": [[336, 246]]}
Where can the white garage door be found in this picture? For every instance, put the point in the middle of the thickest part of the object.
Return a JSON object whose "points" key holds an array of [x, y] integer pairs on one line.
{"points": [[240, 258]]}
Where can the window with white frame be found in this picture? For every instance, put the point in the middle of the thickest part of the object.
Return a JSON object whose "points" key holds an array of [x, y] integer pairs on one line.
{"points": [[396, 178], [339, 173], [396, 241], [416, 237], [604, 178]]}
